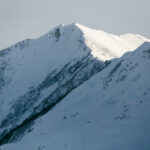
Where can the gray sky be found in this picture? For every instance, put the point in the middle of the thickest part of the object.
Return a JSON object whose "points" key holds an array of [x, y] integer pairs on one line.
{"points": [[21, 19]]}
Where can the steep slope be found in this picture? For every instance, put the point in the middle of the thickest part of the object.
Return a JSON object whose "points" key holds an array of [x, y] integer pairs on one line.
{"points": [[109, 111], [37, 74]]}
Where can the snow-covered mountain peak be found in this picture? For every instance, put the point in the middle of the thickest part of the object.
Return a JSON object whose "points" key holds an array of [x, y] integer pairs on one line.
{"points": [[35, 75], [63, 44], [102, 45], [64, 30]]}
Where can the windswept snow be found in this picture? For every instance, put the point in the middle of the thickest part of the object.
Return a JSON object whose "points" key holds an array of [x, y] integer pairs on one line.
{"points": [[106, 46]]}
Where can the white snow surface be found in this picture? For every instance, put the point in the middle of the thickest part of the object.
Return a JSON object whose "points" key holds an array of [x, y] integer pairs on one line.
{"points": [[106, 46], [99, 114]]}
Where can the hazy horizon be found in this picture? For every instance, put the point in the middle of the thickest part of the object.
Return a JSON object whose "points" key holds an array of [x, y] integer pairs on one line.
{"points": [[20, 19]]}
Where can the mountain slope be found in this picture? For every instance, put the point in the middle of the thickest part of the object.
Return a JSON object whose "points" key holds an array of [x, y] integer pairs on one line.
{"points": [[109, 111], [37, 74]]}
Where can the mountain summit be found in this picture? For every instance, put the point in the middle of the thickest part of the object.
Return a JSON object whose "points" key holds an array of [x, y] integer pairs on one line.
{"points": [[75, 88]]}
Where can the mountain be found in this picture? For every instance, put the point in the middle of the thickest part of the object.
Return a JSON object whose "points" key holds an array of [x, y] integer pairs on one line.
{"points": [[101, 90]]}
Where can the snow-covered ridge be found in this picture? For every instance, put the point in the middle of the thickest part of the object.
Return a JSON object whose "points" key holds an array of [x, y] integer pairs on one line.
{"points": [[34, 59], [103, 45], [106, 46], [36, 74]]}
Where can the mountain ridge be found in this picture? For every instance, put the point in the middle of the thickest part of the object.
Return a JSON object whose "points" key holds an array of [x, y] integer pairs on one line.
{"points": [[40, 73]]}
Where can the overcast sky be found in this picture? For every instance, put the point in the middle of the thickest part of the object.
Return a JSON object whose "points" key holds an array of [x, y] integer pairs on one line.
{"points": [[21, 19]]}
